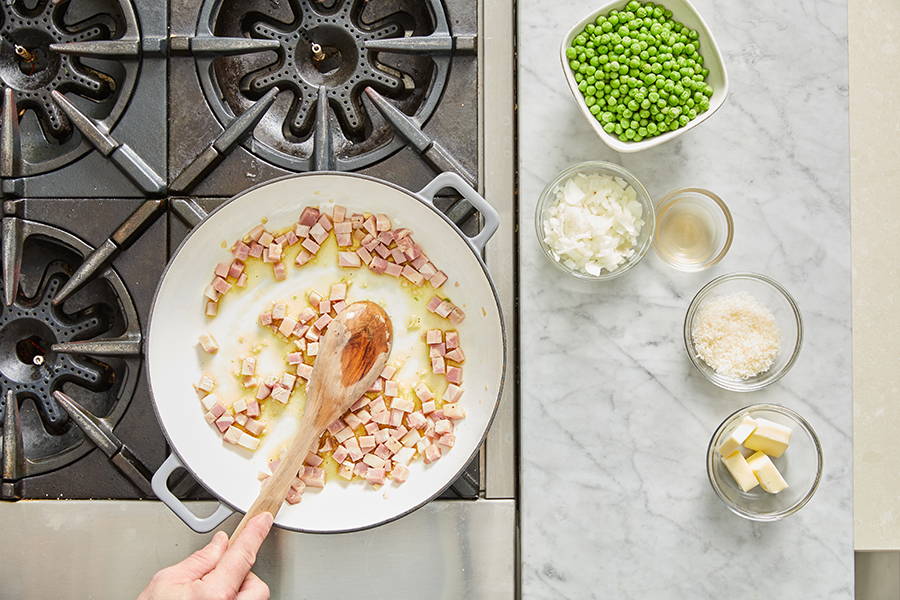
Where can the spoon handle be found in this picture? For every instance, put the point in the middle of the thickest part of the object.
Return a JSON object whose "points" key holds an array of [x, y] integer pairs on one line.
{"points": [[275, 488]]}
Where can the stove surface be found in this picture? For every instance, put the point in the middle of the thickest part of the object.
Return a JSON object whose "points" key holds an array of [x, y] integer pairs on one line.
{"points": [[117, 137]]}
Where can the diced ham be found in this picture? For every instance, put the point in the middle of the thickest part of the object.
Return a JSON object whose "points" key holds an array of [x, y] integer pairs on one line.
{"points": [[391, 388], [206, 384], [392, 445], [454, 411], [379, 265], [352, 421], [236, 268], [433, 303], [396, 418], [212, 308], [438, 367], [399, 474], [443, 426], [363, 401], [382, 418], [279, 311], [454, 375], [310, 245], [364, 255], [220, 285], [411, 438], [457, 316], [382, 452], [385, 238], [448, 440], [412, 275], [265, 318], [343, 435], [416, 420], [338, 306], [452, 340], [304, 371], [404, 456], [382, 251], [313, 460], [309, 216], [255, 233], [324, 222], [322, 322], [432, 453], [255, 426], [233, 435], [248, 441], [275, 251], [374, 461], [428, 407], [423, 393], [452, 393], [382, 222], [357, 220], [313, 477], [393, 269], [402, 404], [353, 448], [388, 372], [436, 350], [224, 423], [293, 497], [217, 409], [427, 270], [419, 261], [286, 327], [265, 239], [360, 469], [338, 214], [281, 394], [256, 250], [301, 231], [370, 243], [279, 271], [344, 240], [241, 281], [349, 260], [303, 257], [291, 238], [221, 269], [241, 251], [336, 426], [398, 432], [317, 233], [262, 476], [294, 358], [382, 435], [288, 381], [253, 408], [298, 484], [456, 355], [434, 336], [209, 417], [444, 309], [343, 228], [312, 349], [375, 476], [209, 401], [340, 454], [239, 406], [312, 335], [364, 417], [377, 405], [372, 428], [208, 343], [376, 386], [248, 366], [345, 470], [370, 226]]}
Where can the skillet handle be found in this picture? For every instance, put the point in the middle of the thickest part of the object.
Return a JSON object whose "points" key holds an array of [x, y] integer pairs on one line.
{"points": [[488, 212], [162, 491]]}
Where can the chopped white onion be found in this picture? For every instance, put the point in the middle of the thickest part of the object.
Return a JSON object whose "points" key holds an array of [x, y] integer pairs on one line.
{"points": [[593, 223]]}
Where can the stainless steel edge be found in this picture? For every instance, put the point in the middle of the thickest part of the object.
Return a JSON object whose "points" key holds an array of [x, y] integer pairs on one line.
{"points": [[462, 549], [497, 82]]}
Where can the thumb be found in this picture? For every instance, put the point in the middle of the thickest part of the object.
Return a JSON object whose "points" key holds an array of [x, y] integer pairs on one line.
{"points": [[205, 559]]}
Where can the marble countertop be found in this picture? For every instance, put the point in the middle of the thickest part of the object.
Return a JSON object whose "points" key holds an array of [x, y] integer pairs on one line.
{"points": [[614, 421]]}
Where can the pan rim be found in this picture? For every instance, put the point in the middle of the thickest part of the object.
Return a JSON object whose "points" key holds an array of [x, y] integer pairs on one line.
{"points": [[414, 195]]}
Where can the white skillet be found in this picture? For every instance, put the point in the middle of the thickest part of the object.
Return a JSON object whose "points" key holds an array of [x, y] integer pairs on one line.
{"points": [[176, 322]]}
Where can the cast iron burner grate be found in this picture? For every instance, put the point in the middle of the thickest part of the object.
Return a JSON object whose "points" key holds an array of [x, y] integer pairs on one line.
{"points": [[72, 47], [318, 57], [42, 350]]}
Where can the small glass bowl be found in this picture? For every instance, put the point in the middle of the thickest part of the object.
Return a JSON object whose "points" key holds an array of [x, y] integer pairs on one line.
{"points": [[644, 239], [800, 465], [787, 315], [704, 205]]}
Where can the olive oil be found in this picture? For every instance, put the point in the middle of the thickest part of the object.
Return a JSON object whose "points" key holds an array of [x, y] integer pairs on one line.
{"points": [[690, 233]]}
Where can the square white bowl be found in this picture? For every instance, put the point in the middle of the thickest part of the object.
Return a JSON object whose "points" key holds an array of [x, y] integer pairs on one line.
{"points": [[685, 13]]}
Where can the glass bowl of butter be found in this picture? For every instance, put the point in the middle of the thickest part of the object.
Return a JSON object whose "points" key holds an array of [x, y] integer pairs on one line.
{"points": [[764, 462]]}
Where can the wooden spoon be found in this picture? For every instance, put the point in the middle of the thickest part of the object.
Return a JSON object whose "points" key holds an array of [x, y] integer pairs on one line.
{"points": [[352, 354]]}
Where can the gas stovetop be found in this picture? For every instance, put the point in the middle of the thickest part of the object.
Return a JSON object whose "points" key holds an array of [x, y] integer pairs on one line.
{"points": [[124, 122]]}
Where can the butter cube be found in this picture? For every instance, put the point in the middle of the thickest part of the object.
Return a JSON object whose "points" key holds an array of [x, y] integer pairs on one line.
{"points": [[769, 437], [740, 470], [767, 473], [740, 433]]}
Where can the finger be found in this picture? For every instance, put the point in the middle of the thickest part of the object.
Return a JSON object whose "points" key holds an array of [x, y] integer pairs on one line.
{"points": [[203, 560], [253, 588], [240, 556]]}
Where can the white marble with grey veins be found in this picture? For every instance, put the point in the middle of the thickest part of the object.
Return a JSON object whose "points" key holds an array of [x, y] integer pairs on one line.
{"points": [[615, 423]]}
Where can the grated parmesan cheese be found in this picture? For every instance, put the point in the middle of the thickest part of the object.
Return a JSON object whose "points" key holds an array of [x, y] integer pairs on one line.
{"points": [[736, 335]]}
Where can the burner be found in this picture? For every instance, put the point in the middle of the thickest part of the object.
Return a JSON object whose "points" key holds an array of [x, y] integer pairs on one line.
{"points": [[37, 358], [326, 54], [39, 48]]}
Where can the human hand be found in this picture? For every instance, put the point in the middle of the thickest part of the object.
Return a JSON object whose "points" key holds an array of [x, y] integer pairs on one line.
{"points": [[217, 571]]}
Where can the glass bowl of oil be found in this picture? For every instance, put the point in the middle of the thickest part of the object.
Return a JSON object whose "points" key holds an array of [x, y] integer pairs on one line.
{"points": [[694, 229]]}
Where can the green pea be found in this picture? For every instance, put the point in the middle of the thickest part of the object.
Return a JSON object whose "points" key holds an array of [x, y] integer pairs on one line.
{"points": [[652, 129], [594, 108], [626, 114], [590, 90], [571, 53], [623, 69], [607, 26], [574, 64], [609, 127]]}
